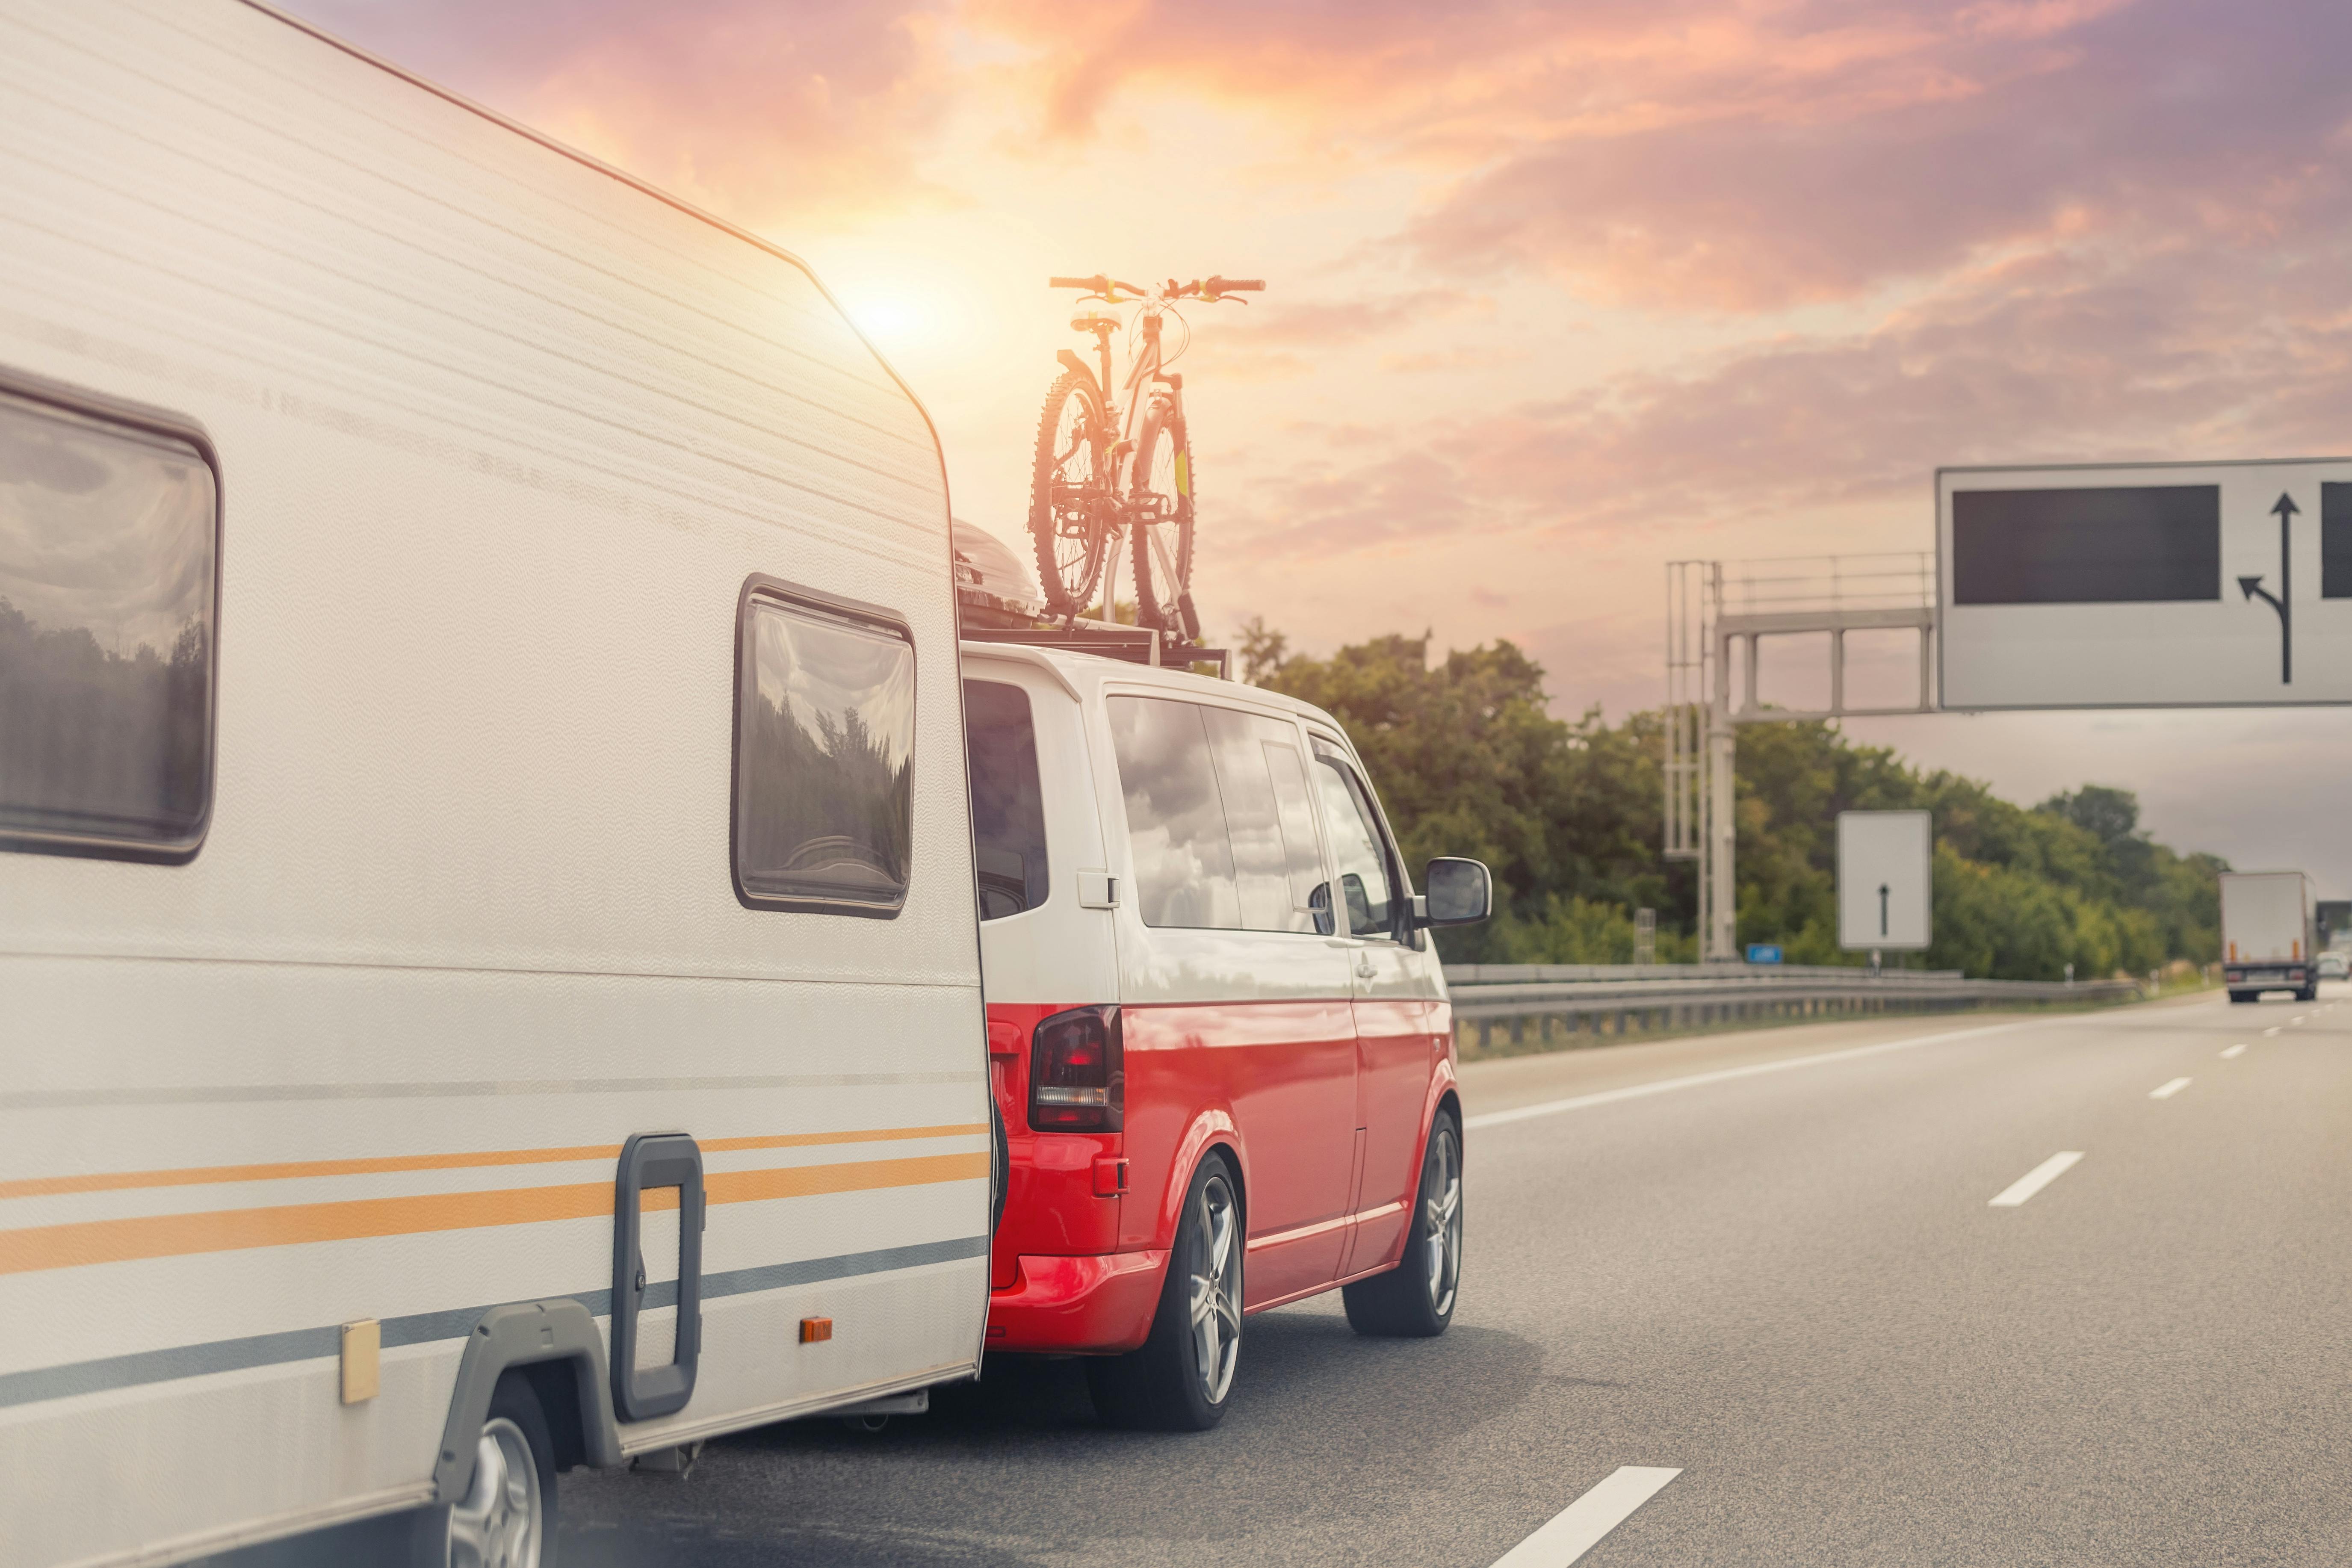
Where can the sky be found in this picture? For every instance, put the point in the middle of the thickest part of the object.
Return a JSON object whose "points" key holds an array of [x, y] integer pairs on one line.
{"points": [[1555, 294]]}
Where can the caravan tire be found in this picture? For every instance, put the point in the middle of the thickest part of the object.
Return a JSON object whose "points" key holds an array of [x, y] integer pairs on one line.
{"points": [[507, 1517]]}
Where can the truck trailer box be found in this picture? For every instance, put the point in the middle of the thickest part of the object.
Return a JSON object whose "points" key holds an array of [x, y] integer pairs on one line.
{"points": [[2269, 934]]}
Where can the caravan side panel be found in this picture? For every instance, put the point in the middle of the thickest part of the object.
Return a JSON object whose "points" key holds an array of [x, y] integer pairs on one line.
{"points": [[501, 438]]}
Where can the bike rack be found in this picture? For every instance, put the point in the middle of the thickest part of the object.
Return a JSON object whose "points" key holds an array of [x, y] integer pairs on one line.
{"points": [[983, 616]]}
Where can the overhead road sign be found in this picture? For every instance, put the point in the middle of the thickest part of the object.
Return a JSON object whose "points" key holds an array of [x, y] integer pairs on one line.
{"points": [[1885, 895], [2146, 585]]}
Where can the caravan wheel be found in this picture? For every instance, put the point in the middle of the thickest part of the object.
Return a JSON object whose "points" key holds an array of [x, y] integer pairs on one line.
{"points": [[506, 1518]]}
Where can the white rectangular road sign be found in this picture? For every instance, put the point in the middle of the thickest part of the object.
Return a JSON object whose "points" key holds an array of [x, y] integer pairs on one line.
{"points": [[1883, 860], [2144, 586]]}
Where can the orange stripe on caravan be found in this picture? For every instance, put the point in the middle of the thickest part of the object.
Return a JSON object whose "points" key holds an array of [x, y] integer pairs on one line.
{"points": [[229, 1230], [198, 1175]]}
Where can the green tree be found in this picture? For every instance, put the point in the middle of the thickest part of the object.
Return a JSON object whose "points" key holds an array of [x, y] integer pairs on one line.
{"points": [[1469, 761]]}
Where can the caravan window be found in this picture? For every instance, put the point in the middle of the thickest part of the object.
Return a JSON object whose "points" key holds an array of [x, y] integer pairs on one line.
{"points": [[1008, 813], [109, 557], [824, 736]]}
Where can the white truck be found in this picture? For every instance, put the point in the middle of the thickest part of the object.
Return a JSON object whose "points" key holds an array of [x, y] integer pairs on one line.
{"points": [[489, 973], [2269, 934]]}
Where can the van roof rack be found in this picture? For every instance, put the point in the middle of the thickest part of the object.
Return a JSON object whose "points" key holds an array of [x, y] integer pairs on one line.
{"points": [[983, 618]]}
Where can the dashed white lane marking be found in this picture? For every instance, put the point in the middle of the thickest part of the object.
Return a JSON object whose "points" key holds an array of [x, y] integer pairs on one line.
{"points": [[2168, 1089], [2034, 1180], [1722, 1075], [2295, 1020], [1578, 1527], [2269, 1032], [2234, 1051]]}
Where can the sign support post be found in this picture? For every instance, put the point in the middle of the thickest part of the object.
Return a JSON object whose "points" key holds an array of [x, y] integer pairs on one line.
{"points": [[1707, 623]]}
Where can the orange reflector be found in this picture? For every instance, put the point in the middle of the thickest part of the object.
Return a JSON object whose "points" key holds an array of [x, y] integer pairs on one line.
{"points": [[815, 1330]]}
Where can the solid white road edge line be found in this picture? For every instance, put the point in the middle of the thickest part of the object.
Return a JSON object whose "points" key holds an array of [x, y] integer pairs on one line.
{"points": [[1722, 1075], [2034, 1180], [1577, 1528], [2167, 1091], [2236, 1050]]}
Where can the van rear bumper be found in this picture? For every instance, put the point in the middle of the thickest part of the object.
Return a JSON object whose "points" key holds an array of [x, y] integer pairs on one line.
{"points": [[1102, 1304]]}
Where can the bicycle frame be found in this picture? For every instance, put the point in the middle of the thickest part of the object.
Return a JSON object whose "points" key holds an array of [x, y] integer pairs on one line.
{"points": [[1146, 380]]}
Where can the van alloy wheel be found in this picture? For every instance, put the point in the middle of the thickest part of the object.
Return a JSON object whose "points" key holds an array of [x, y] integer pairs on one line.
{"points": [[500, 1521], [1442, 1222], [1215, 1295], [1416, 1299], [1181, 1377]]}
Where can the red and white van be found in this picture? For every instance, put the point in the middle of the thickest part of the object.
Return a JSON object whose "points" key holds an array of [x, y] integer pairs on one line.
{"points": [[1224, 1087]]}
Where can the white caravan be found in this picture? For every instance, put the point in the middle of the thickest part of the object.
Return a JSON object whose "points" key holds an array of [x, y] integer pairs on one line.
{"points": [[488, 958]]}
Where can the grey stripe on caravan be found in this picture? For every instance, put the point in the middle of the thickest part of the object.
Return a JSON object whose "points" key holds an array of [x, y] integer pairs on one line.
{"points": [[241, 1094], [424, 1328]]}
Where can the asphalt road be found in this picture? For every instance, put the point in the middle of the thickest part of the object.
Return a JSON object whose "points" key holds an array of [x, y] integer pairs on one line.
{"points": [[1789, 1285]]}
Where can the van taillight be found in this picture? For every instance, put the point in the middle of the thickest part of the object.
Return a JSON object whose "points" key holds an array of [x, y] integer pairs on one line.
{"points": [[1077, 1073]]}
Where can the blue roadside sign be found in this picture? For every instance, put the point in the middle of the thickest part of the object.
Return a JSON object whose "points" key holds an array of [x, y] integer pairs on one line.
{"points": [[1763, 953]]}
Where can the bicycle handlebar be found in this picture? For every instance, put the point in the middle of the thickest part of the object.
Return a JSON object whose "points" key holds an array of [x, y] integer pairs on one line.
{"points": [[1207, 289]]}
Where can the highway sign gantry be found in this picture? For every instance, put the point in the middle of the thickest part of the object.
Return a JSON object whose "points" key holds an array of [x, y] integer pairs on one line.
{"points": [[2144, 586]]}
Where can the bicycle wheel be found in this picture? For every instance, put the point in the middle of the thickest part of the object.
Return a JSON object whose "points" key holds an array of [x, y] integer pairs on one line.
{"points": [[1067, 492], [1163, 532]]}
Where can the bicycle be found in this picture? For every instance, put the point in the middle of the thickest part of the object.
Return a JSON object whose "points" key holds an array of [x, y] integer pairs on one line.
{"points": [[1078, 508]]}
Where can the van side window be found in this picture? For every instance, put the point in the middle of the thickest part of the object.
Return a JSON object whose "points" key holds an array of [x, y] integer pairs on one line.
{"points": [[1310, 894], [1008, 815], [1277, 862], [109, 548], [1175, 815], [1367, 888], [824, 736]]}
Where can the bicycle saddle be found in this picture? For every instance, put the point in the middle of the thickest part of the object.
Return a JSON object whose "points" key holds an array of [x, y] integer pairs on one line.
{"points": [[1095, 321]]}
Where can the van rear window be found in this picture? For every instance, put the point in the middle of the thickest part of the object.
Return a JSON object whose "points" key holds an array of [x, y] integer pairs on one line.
{"points": [[109, 556], [823, 745], [1008, 816]]}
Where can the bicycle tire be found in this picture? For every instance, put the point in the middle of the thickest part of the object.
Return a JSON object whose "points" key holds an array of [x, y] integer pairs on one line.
{"points": [[1067, 528], [1168, 606]]}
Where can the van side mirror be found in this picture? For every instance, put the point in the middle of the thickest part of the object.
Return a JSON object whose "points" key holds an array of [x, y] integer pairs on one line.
{"points": [[1460, 892]]}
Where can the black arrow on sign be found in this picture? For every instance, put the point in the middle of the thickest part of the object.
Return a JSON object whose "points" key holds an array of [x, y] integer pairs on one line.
{"points": [[1882, 909], [2284, 603]]}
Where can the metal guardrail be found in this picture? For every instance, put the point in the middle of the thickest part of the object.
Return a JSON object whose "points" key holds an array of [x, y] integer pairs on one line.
{"points": [[1521, 973], [1606, 1001]]}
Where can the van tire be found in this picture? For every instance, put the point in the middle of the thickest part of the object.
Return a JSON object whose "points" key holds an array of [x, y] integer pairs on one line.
{"points": [[1415, 1300], [515, 1445], [1162, 1386], [2246, 995], [2308, 993]]}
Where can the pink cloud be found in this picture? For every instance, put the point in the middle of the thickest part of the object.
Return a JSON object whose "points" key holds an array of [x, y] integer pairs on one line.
{"points": [[2172, 351]]}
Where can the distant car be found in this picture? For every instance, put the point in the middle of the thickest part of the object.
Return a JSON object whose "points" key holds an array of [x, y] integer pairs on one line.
{"points": [[2334, 966]]}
